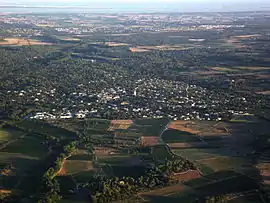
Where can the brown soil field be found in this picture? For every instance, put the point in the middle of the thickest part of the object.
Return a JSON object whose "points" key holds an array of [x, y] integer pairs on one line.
{"points": [[223, 163], [260, 76], [187, 145], [201, 128], [221, 69], [116, 44], [5, 192], [149, 140], [264, 92], [74, 166], [186, 176], [45, 25], [252, 68], [246, 36], [210, 72], [166, 191], [104, 151], [125, 122], [160, 48], [123, 34], [71, 39], [182, 126], [264, 169], [119, 124], [135, 49], [22, 42]]}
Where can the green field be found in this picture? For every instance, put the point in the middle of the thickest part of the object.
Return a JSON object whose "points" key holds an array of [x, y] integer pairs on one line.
{"points": [[28, 146], [82, 157], [226, 186], [161, 152], [225, 163], [83, 176], [253, 198], [74, 166], [196, 154], [175, 136], [150, 127], [97, 124], [114, 159], [19, 162], [43, 128], [8, 133]]}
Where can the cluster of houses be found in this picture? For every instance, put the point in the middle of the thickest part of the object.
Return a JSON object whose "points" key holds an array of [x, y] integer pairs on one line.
{"points": [[145, 98]]}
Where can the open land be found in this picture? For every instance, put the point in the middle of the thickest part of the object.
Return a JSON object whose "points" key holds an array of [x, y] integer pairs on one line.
{"points": [[21, 42], [156, 107]]}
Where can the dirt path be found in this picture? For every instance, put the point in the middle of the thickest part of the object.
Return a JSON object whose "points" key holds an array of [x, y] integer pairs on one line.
{"points": [[62, 166]]}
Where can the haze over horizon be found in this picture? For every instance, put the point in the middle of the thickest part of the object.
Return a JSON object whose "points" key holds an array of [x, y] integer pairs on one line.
{"points": [[151, 5]]}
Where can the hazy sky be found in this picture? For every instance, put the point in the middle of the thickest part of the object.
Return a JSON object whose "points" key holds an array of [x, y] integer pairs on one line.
{"points": [[158, 5]]}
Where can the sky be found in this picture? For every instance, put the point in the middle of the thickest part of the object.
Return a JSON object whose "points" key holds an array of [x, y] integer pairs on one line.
{"points": [[155, 5]]}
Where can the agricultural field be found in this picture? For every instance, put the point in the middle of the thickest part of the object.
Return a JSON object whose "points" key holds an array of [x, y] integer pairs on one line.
{"points": [[21, 42], [220, 161], [150, 140], [8, 134], [18, 157], [72, 167], [149, 127], [176, 136], [210, 185], [28, 145], [44, 128], [209, 145], [116, 44], [161, 152], [195, 154], [119, 125], [159, 48]]}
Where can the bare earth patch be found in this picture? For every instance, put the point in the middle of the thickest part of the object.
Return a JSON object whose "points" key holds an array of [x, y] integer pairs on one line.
{"points": [[201, 128], [263, 76], [186, 176], [223, 163], [150, 140], [136, 49], [119, 125], [181, 145], [221, 69], [252, 68], [182, 126], [21, 42], [164, 47], [116, 44], [73, 166], [246, 36], [71, 39], [264, 169], [264, 92], [103, 151], [5, 192]]}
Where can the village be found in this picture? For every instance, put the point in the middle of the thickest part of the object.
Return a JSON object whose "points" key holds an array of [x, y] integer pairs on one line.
{"points": [[143, 98]]}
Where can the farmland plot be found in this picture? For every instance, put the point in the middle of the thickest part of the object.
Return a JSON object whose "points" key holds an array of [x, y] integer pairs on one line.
{"points": [[176, 136]]}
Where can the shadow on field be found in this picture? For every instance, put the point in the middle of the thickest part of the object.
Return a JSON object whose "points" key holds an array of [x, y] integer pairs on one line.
{"points": [[163, 199], [236, 173]]}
